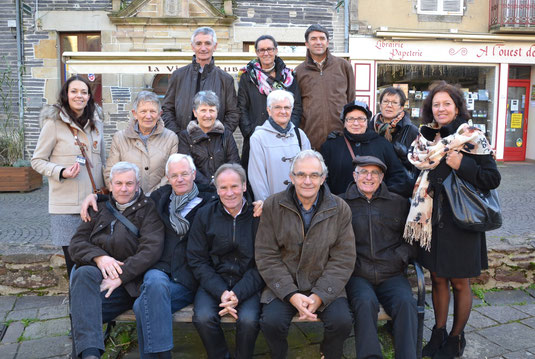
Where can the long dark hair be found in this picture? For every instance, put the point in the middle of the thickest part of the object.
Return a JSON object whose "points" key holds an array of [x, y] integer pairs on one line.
{"points": [[89, 109], [456, 95]]}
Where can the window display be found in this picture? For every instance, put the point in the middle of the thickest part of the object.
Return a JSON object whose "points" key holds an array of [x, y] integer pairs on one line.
{"points": [[477, 83]]}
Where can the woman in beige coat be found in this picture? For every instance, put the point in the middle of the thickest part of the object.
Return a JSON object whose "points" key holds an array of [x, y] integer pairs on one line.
{"points": [[145, 142], [58, 157]]}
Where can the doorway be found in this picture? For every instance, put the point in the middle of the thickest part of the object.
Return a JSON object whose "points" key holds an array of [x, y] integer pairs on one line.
{"points": [[516, 127]]}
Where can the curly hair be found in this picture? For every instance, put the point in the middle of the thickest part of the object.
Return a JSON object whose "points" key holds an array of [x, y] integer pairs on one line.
{"points": [[89, 109], [456, 95]]}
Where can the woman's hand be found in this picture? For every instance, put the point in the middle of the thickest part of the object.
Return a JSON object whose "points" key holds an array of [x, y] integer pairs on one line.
{"points": [[71, 172], [453, 159]]}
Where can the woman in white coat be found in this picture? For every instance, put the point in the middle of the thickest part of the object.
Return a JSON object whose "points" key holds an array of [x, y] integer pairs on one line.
{"points": [[273, 147]]}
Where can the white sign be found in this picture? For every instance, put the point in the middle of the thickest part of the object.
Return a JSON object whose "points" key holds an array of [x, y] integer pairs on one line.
{"points": [[372, 48], [514, 105]]}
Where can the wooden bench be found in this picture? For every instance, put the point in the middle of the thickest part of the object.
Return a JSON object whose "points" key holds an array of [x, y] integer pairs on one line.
{"points": [[185, 315]]}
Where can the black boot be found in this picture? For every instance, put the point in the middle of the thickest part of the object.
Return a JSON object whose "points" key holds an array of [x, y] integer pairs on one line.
{"points": [[438, 337], [453, 348]]}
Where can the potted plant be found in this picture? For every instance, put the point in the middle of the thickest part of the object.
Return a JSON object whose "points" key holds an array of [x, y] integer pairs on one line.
{"points": [[16, 174]]}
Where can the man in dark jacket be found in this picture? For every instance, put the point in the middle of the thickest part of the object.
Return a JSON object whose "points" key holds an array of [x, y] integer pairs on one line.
{"points": [[262, 75], [201, 74], [169, 285], [382, 257], [326, 83], [111, 253], [221, 255], [305, 251]]}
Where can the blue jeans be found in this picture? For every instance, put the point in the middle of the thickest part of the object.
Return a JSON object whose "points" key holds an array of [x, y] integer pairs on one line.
{"points": [[208, 323], [160, 298], [89, 308], [395, 296], [277, 317]]}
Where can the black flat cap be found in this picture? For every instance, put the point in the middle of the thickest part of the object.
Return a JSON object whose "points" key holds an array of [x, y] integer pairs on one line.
{"points": [[369, 160]]}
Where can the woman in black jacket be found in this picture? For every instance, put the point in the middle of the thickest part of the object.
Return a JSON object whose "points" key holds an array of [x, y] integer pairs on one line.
{"points": [[206, 140], [363, 142], [450, 253], [395, 125], [262, 75]]}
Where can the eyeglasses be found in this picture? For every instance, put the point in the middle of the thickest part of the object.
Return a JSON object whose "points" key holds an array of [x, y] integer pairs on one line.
{"points": [[269, 50], [280, 108], [365, 173], [358, 119], [391, 103], [301, 176], [184, 175]]}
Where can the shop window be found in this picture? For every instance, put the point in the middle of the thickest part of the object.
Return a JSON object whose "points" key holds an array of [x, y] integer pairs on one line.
{"points": [[477, 82], [519, 72], [82, 41], [440, 7]]}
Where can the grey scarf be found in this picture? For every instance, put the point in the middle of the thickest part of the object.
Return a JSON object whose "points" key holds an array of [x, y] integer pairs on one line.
{"points": [[122, 207], [177, 204]]}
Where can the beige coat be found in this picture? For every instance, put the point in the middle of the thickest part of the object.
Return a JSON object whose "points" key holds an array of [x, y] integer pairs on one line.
{"points": [[151, 160], [57, 150]]}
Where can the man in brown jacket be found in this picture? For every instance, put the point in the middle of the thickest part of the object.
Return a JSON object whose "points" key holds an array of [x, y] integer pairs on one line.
{"points": [[201, 74], [112, 252], [305, 252], [326, 83]]}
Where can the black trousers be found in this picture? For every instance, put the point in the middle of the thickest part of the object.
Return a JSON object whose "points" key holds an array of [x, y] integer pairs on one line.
{"points": [[277, 316]]}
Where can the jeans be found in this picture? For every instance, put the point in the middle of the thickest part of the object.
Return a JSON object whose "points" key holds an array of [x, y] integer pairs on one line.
{"points": [[160, 298], [277, 317], [395, 296], [208, 323], [89, 308]]}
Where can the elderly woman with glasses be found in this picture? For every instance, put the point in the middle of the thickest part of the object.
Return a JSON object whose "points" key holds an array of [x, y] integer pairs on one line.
{"points": [[274, 146], [206, 140], [358, 140], [395, 125], [263, 74]]}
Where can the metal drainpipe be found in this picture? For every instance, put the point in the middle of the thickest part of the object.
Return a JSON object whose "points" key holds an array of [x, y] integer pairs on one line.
{"points": [[346, 26], [20, 63]]}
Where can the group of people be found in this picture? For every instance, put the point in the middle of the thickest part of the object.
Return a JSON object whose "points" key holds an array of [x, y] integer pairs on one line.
{"points": [[320, 219]]}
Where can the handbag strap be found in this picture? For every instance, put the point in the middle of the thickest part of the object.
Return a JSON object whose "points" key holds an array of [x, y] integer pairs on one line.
{"points": [[131, 227], [298, 135], [349, 148], [88, 163]]}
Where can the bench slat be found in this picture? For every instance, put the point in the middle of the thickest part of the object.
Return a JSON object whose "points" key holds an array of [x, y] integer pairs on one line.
{"points": [[185, 315]]}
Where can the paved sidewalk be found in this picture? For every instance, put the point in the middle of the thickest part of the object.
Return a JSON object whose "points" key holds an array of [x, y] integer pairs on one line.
{"points": [[502, 326]]}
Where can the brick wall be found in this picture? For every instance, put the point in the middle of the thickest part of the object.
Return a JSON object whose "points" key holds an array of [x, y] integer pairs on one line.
{"points": [[8, 59]]}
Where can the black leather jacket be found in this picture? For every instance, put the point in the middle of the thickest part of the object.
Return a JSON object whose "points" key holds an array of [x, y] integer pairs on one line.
{"points": [[378, 225]]}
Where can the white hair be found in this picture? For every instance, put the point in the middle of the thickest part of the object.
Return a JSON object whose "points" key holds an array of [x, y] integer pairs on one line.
{"points": [[205, 31], [146, 96], [310, 154], [177, 157], [279, 96], [121, 167]]}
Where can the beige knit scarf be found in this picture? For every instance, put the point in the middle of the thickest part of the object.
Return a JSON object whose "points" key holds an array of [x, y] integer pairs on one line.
{"points": [[426, 155]]}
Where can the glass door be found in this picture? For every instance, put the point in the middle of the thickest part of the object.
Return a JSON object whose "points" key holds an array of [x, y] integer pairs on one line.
{"points": [[517, 120]]}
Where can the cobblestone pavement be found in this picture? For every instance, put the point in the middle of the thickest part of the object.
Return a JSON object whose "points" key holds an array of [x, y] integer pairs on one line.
{"points": [[502, 326]]}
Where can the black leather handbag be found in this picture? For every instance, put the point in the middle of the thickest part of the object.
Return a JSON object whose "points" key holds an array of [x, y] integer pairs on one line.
{"points": [[473, 209]]}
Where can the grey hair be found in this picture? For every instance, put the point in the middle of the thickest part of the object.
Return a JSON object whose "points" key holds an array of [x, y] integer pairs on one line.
{"points": [[146, 96], [234, 167], [278, 96], [177, 157], [208, 98], [310, 154], [123, 166], [205, 31]]}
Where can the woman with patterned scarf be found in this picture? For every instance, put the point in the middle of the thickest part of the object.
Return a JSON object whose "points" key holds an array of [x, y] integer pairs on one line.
{"points": [[262, 75], [395, 125], [453, 255]]}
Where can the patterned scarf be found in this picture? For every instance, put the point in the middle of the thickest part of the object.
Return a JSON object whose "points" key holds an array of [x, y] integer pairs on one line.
{"points": [[386, 129], [177, 204], [426, 155], [263, 81]]}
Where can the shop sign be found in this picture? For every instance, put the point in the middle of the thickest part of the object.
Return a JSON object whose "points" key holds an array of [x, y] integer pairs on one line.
{"points": [[368, 48], [516, 120]]}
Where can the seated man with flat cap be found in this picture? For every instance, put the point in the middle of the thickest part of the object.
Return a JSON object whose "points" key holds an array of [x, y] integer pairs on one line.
{"points": [[382, 257]]}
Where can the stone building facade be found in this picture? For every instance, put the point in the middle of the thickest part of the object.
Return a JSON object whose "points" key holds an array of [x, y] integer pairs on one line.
{"points": [[142, 26]]}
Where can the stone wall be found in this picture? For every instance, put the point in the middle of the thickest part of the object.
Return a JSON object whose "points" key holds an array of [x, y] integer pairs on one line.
{"points": [[45, 273]]}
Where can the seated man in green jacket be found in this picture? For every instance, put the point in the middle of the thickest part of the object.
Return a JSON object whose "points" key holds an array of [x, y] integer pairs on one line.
{"points": [[111, 253]]}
